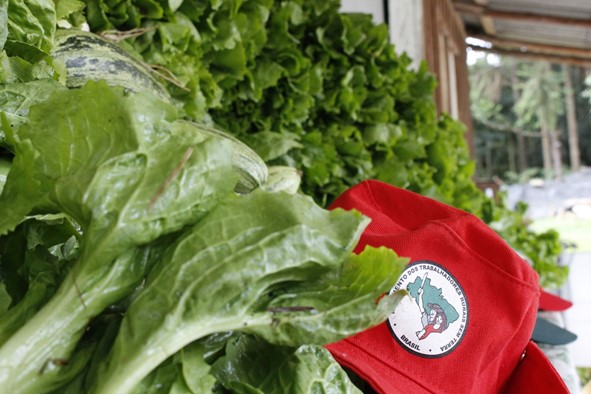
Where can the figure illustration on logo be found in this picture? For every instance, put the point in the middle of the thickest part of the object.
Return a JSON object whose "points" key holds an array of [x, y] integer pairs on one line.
{"points": [[434, 318], [431, 321]]}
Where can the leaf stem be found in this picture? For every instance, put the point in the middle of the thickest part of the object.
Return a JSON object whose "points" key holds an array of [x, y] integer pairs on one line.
{"points": [[126, 367]]}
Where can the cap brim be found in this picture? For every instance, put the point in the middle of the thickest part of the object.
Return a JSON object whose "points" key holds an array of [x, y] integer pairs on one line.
{"points": [[377, 373], [535, 374], [551, 334], [552, 302]]}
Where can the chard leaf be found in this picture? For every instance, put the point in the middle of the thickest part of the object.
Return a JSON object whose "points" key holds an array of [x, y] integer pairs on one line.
{"points": [[91, 348], [119, 154], [252, 365], [33, 262], [184, 373], [354, 287], [39, 368], [196, 371], [166, 379], [124, 169], [272, 264], [5, 299], [4, 170]]}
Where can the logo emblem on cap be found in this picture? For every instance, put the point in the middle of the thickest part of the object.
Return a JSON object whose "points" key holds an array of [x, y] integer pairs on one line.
{"points": [[432, 320]]}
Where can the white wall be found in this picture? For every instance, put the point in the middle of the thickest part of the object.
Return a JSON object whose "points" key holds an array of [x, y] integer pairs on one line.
{"points": [[373, 7], [405, 18], [406, 28]]}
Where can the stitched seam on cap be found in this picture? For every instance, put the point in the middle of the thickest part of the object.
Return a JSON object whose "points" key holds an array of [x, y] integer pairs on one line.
{"points": [[480, 257], [498, 270]]}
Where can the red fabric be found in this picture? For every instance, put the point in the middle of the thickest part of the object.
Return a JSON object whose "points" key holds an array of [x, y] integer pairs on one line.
{"points": [[534, 374], [551, 302], [501, 290]]}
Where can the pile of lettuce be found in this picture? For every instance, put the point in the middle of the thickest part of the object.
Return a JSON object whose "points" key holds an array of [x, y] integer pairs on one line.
{"points": [[128, 263], [325, 92], [126, 255], [305, 86]]}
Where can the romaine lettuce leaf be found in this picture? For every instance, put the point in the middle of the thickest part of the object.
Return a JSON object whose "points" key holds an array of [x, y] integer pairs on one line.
{"points": [[65, 8], [128, 173], [276, 265], [14, 69], [31, 26], [16, 98]]}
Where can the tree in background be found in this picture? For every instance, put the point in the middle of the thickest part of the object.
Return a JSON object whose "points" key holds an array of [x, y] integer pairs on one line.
{"points": [[583, 118], [571, 119], [501, 146], [540, 105], [520, 110]]}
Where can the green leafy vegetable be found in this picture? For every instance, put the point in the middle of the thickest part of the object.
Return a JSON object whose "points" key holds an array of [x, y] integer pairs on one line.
{"points": [[17, 98], [128, 174], [4, 170], [323, 92], [253, 366], [33, 262], [3, 22], [185, 372], [31, 26], [15, 70], [67, 8], [275, 265]]}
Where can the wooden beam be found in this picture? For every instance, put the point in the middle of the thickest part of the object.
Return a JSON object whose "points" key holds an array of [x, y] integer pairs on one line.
{"points": [[535, 56], [537, 18], [468, 8], [531, 47], [488, 24], [482, 11]]}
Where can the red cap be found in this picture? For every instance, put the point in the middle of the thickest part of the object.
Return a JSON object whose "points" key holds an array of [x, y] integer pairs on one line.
{"points": [[467, 321], [552, 302]]}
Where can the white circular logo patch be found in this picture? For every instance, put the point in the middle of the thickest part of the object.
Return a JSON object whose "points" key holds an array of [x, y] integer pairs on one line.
{"points": [[432, 320]]}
